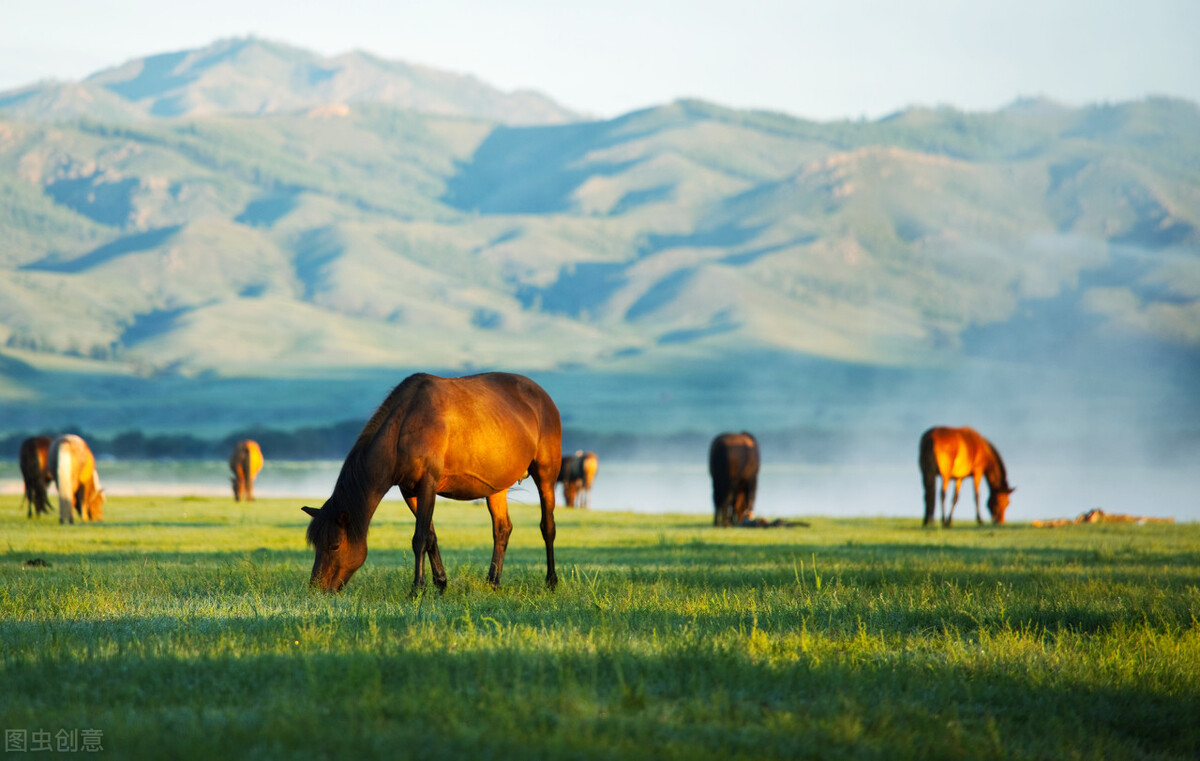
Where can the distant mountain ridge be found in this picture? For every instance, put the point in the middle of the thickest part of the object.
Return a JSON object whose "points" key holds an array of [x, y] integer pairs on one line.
{"points": [[255, 76], [254, 210]]}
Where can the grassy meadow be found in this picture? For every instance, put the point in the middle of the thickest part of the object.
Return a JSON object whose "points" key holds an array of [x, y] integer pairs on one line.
{"points": [[183, 628]]}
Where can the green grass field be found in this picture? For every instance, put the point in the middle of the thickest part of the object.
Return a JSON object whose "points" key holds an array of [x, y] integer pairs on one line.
{"points": [[183, 628]]}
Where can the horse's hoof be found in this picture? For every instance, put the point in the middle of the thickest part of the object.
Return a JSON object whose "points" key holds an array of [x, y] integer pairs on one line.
{"points": [[552, 582]]}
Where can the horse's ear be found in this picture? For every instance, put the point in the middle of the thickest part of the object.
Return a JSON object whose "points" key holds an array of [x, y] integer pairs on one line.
{"points": [[312, 511]]}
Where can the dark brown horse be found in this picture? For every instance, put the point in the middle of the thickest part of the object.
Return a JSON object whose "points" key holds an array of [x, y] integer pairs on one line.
{"points": [[577, 474], [245, 462], [733, 461], [953, 454], [461, 438], [33, 455]]}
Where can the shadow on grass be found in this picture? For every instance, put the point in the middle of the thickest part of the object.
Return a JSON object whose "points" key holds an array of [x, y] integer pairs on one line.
{"points": [[498, 698]]}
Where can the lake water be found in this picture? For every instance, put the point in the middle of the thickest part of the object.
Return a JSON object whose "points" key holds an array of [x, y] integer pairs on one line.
{"points": [[785, 490]]}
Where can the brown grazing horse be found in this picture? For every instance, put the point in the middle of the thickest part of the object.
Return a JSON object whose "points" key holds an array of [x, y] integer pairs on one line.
{"points": [[245, 462], [34, 451], [733, 461], [577, 474], [71, 463], [954, 454], [461, 438]]}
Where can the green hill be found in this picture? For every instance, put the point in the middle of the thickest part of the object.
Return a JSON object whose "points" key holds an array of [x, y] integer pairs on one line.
{"points": [[156, 224]]}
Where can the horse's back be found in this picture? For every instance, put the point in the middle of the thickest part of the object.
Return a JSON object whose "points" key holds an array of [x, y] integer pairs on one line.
{"points": [[489, 428], [246, 456], [735, 455], [492, 400], [72, 451], [33, 457], [254, 457], [958, 452]]}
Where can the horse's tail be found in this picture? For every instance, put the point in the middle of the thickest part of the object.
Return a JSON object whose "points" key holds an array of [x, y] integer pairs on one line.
{"points": [[929, 472], [33, 473], [66, 485], [718, 468]]}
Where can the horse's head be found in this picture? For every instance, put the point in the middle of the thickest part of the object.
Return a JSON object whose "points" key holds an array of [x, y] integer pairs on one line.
{"points": [[998, 503], [338, 555], [94, 507]]}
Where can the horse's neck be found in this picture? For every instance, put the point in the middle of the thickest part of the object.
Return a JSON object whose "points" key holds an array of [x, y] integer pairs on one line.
{"points": [[994, 473], [361, 487]]}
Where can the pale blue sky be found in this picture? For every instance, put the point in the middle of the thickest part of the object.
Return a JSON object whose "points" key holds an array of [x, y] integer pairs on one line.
{"points": [[822, 60]]}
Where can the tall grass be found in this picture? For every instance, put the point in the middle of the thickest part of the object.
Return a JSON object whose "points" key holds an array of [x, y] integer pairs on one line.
{"points": [[183, 628]]}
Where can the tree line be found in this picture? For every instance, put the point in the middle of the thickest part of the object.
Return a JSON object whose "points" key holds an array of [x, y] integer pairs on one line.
{"points": [[333, 442]]}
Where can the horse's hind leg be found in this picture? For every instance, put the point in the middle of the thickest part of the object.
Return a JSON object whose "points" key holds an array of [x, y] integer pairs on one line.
{"points": [[501, 529], [432, 551], [545, 479], [751, 492]]}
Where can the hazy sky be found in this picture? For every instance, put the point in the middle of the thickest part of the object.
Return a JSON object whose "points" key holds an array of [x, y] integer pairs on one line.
{"points": [[822, 59]]}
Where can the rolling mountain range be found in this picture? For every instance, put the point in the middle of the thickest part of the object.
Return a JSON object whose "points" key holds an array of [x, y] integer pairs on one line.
{"points": [[250, 210]]}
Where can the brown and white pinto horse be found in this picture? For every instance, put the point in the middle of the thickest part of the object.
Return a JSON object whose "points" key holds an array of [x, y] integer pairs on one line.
{"points": [[953, 454], [462, 438], [577, 474], [245, 462], [71, 463], [34, 451]]}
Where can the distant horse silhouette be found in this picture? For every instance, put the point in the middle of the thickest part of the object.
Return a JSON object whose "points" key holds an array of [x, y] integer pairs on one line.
{"points": [[245, 462], [577, 474], [461, 438], [954, 454], [733, 461], [71, 463], [34, 451]]}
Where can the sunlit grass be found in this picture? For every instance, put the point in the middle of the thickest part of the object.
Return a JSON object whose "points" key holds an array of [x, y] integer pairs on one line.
{"points": [[183, 627]]}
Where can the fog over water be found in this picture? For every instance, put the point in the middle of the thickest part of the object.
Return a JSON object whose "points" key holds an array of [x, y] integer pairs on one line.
{"points": [[786, 490]]}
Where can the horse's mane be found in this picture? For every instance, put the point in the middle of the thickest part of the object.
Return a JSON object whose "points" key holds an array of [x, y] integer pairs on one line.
{"points": [[350, 492], [999, 466]]}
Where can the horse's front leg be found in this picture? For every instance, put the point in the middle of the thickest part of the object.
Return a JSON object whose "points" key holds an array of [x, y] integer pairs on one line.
{"points": [[432, 551], [978, 516], [953, 502], [501, 529], [425, 496]]}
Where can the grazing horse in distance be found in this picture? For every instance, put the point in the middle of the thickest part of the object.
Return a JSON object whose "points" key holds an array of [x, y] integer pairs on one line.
{"points": [[733, 461], [953, 454], [461, 438], [34, 452], [71, 463], [577, 474], [245, 462]]}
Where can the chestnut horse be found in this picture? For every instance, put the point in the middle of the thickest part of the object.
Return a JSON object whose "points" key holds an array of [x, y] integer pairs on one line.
{"points": [[461, 438], [733, 461], [245, 462], [577, 474], [954, 454], [71, 463], [34, 451]]}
